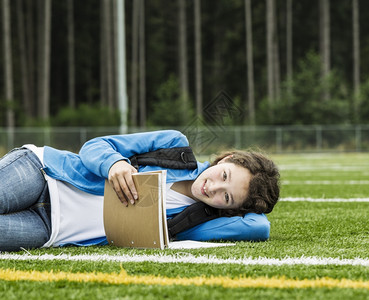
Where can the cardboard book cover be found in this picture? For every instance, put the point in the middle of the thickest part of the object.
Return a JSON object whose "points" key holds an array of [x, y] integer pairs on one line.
{"points": [[142, 225]]}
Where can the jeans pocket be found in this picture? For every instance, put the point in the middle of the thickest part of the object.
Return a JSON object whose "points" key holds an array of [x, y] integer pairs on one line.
{"points": [[12, 156]]}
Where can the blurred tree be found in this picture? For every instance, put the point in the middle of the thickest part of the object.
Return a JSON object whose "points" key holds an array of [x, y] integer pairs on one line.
{"points": [[289, 42], [134, 64], [44, 30], [165, 111], [31, 57], [356, 53], [325, 43], [26, 93], [142, 64], [276, 59], [108, 69], [250, 64], [103, 85], [362, 105], [198, 57], [224, 64], [8, 62], [271, 51], [182, 52], [71, 71], [86, 115], [306, 106]]}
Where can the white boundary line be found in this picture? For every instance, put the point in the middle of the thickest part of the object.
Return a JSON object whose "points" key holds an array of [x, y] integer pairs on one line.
{"points": [[325, 182], [309, 261], [308, 199], [303, 168]]}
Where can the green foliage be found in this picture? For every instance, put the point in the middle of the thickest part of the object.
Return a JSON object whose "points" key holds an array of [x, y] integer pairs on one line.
{"points": [[15, 107], [306, 104], [224, 63], [35, 122], [86, 115], [171, 108], [363, 103]]}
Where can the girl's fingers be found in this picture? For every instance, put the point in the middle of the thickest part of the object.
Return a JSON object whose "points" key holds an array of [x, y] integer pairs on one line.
{"points": [[120, 176]]}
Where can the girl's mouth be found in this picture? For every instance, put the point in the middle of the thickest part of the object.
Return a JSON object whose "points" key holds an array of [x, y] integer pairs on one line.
{"points": [[203, 190]]}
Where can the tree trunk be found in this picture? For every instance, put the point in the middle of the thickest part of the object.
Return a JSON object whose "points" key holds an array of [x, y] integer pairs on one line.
{"points": [[356, 57], [24, 62], [71, 63], [43, 78], [217, 63], [356, 45], [31, 57], [325, 45], [114, 60], [8, 70], [134, 63], [250, 64], [40, 54], [289, 54], [142, 65], [182, 51], [269, 50], [108, 52], [276, 67], [198, 57], [47, 55], [121, 64], [103, 84]]}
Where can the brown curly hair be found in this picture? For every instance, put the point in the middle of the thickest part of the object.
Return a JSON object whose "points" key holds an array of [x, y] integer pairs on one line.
{"points": [[264, 185]]}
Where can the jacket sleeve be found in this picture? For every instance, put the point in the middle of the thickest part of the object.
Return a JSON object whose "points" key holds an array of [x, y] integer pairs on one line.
{"points": [[99, 154], [251, 227]]}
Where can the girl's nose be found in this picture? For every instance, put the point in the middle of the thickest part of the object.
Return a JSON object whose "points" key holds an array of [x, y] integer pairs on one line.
{"points": [[214, 187]]}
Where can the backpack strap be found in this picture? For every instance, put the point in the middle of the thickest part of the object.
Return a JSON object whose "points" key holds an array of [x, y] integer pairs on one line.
{"points": [[191, 216], [171, 158]]}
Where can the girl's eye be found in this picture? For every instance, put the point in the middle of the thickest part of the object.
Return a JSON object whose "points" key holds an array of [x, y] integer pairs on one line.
{"points": [[226, 198], [224, 176]]}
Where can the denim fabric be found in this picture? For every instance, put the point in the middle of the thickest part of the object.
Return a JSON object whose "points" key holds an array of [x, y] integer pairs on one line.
{"points": [[24, 202]]}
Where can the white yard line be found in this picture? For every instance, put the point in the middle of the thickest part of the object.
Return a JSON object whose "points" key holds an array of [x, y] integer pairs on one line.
{"points": [[188, 258], [308, 199], [303, 168], [325, 182]]}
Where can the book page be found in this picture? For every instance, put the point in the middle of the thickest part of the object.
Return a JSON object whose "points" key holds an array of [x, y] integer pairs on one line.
{"points": [[188, 244], [139, 225], [164, 209]]}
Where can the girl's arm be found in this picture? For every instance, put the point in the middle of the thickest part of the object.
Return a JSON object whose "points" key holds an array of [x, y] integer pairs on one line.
{"points": [[108, 157], [99, 154], [251, 227]]}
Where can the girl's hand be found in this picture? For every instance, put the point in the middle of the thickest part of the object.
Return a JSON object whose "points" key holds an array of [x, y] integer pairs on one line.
{"points": [[120, 177]]}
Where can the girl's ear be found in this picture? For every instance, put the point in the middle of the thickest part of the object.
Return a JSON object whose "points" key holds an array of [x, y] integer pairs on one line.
{"points": [[224, 159]]}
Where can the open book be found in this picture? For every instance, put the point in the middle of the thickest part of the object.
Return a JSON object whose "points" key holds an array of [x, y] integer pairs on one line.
{"points": [[144, 224]]}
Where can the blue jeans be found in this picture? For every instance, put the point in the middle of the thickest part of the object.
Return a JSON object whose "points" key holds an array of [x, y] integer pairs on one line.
{"points": [[24, 202]]}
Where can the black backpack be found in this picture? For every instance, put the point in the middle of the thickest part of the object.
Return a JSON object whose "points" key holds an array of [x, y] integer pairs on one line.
{"points": [[178, 158]]}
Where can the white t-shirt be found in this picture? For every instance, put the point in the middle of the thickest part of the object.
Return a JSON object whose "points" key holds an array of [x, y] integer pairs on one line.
{"points": [[175, 199]]}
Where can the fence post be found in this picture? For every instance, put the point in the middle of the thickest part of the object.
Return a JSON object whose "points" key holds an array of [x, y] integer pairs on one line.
{"points": [[318, 136], [279, 139], [82, 135], [358, 138], [10, 138], [47, 136], [237, 133]]}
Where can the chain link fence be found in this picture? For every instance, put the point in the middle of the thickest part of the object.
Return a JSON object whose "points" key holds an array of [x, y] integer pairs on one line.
{"points": [[208, 139]]}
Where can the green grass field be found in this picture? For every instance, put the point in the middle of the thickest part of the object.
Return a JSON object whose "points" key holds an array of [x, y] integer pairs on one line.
{"points": [[318, 249]]}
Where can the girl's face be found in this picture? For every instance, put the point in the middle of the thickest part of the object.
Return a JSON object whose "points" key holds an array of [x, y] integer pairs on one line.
{"points": [[223, 186]]}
